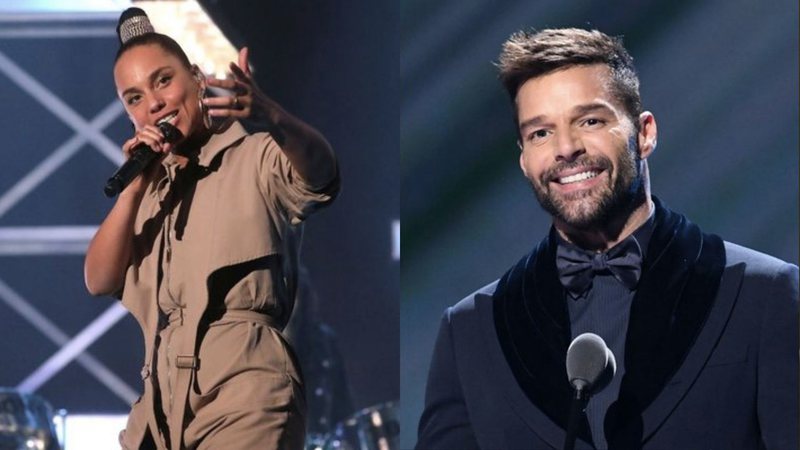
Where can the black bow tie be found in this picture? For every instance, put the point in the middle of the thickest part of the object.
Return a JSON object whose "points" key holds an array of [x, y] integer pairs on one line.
{"points": [[577, 268]]}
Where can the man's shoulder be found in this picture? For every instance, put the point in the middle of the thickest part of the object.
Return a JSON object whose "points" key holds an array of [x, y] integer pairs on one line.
{"points": [[466, 305], [755, 261], [765, 276]]}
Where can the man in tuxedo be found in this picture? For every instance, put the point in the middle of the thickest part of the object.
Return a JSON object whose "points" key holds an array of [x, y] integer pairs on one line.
{"points": [[705, 332]]}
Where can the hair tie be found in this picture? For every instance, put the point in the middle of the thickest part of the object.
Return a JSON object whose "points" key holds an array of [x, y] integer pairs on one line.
{"points": [[133, 22]]}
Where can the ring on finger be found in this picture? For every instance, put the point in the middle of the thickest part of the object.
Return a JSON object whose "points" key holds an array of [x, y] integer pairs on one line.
{"points": [[235, 102]]}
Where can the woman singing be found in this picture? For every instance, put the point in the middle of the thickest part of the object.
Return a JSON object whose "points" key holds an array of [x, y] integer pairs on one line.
{"points": [[202, 248]]}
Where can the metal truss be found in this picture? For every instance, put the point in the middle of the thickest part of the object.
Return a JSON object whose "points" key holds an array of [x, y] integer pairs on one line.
{"points": [[15, 241]]}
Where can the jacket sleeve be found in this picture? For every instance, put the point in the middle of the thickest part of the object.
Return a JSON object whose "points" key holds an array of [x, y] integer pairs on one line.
{"points": [[777, 402], [445, 422], [285, 189]]}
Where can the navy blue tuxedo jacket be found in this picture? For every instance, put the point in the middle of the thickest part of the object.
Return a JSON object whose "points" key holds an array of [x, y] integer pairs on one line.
{"points": [[733, 385]]}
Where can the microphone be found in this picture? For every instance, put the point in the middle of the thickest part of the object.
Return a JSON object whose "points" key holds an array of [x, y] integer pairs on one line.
{"points": [[590, 364], [590, 367], [141, 157]]}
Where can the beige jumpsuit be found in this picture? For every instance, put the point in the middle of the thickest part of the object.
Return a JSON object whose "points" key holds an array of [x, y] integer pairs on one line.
{"points": [[211, 284]]}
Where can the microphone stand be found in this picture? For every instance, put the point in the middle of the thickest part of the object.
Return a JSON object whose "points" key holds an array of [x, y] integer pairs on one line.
{"points": [[576, 410]]}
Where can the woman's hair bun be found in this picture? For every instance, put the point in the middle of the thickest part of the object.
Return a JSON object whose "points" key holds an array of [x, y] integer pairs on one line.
{"points": [[133, 22]]}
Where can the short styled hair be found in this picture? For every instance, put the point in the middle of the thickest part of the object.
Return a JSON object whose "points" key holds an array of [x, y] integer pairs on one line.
{"points": [[531, 54]]}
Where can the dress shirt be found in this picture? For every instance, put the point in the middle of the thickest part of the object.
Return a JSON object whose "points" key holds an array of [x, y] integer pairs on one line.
{"points": [[604, 310]]}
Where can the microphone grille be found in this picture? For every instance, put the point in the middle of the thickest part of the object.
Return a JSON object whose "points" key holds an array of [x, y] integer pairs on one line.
{"points": [[587, 360], [171, 134]]}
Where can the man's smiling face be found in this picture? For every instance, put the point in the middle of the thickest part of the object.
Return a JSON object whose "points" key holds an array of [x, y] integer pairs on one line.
{"points": [[579, 147]]}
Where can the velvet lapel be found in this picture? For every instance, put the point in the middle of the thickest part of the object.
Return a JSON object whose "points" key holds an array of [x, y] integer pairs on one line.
{"points": [[533, 328], [680, 279]]}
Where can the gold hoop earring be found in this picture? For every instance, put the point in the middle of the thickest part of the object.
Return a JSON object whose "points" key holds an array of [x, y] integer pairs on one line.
{"points": [[204, 109]]}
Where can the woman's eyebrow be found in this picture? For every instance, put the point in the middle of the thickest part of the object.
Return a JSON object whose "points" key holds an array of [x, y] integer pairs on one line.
{"points": [[151, 78]]}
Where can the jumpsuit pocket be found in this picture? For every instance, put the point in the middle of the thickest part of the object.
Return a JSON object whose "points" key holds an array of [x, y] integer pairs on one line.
{"points": [[247, 390], [244, 364]]}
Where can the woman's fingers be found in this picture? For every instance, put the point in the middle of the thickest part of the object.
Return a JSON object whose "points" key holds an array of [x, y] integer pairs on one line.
{"points": [[239, 102], [244, 55], [148, 135], [236, 85], [233, 105], [228, 102], [240, 74]]}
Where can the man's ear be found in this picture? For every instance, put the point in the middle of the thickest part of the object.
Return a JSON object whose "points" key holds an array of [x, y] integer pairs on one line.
{"points": [[648, 134], [522, 164]]}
